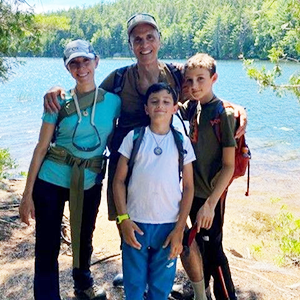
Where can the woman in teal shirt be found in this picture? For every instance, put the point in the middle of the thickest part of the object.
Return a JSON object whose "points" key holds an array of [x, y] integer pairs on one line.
{"points": [[70, 169]]}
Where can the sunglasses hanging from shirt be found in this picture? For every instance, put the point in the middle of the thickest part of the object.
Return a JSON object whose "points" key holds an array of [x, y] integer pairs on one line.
{"points": [[80, 148]]}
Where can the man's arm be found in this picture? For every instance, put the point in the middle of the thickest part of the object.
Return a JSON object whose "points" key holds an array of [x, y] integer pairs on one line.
{"points": [[176, 236], [51, 104], [128, 227]]}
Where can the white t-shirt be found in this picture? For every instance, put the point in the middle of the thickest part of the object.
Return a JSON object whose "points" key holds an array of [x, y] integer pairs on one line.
{"points": [[154, 191]]}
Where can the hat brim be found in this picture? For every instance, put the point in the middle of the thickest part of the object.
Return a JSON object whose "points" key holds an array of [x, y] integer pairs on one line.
{"points": [[79, 54], [132, 26]]}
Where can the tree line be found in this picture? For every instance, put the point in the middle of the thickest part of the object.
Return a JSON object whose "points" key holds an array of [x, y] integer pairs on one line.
{"points": [[226, 29]]}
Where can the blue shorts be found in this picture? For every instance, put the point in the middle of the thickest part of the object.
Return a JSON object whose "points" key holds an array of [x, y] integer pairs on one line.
{"points": [[150, 265]]}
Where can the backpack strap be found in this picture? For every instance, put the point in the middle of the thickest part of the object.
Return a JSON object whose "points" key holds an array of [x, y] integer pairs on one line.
{"points": [[216, 120], [177, 76], [178, 138], [138, 135], [69, 108], [182, 122], [119, 79], [96, 164], [193, 116], [176, 73]]}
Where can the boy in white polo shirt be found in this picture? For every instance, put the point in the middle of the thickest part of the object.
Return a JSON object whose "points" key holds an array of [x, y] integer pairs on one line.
{"points": [[152, 212]]}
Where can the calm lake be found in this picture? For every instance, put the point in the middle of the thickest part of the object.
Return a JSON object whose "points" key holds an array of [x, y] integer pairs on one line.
{"points": [[273, 131]]}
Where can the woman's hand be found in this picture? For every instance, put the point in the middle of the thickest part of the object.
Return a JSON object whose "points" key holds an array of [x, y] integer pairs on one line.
{"points": [[26, 209]]}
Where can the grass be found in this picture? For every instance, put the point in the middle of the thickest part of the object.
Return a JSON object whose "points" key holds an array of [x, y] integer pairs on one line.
{"points": [[280, 232]]}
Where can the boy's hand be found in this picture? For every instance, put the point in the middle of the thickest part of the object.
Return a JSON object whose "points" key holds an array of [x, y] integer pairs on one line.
{"points": [[175, 239], [240, 112], [128, 227], [185, 91], [205, 216], [179, 66], [51, 104], [26, 209]]}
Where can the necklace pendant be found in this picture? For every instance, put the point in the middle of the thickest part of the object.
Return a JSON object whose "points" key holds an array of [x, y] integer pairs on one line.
{"points": [[85, 113], [157, 151]]}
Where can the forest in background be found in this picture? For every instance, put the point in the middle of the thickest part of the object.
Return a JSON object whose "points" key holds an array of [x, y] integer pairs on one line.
{"points": [[226, 29]]}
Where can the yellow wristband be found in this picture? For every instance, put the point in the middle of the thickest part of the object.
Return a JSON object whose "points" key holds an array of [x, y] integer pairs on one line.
{"points": [[121, 218]]}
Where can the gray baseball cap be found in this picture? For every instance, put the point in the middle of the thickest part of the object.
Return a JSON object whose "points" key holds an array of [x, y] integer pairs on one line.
{"points": [[78, 48], [140, 18]]}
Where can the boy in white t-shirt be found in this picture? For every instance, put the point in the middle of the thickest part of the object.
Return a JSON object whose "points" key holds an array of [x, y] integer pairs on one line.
{"points": [[152, 210]]}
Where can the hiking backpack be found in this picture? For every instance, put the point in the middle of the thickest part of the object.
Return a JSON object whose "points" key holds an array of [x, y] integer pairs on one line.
{"points": [[242, 151], [138, 135]]}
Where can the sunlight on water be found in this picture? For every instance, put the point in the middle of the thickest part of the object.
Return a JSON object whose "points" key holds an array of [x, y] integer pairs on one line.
{"points": [[273, 132]]}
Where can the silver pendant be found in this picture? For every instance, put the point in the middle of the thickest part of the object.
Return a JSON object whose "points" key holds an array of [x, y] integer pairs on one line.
{"points": [[85, 113], [157, 151]]}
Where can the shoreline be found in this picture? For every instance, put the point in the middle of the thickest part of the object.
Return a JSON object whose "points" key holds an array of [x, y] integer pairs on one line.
{"points": [[268, 180]]}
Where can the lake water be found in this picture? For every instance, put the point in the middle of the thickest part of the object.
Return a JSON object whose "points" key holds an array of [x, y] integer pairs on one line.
{"points": [[273, 131]]}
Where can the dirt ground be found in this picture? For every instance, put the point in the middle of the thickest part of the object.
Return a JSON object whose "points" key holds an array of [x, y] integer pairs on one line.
{"points": [[255, 274]]}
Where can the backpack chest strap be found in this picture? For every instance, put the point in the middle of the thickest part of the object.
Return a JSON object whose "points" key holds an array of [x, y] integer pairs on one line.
{"points": [[69, 108]]}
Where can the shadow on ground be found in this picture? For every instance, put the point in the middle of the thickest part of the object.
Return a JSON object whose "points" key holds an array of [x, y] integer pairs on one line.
{"points": [[184, 290], [9, 216], [19, 284]]}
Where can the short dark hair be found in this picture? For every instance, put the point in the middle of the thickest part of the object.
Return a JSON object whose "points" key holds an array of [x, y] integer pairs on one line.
{"points": [[161, 86]]}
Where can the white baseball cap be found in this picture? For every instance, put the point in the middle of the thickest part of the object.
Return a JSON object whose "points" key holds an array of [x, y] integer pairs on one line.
{"points": [[78, 48]]}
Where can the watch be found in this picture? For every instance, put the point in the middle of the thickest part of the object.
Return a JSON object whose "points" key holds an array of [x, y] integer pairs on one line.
{"points": [[121, 218]]}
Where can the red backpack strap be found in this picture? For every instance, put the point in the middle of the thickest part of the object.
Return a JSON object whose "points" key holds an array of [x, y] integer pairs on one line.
{"points": [[248, 179]]}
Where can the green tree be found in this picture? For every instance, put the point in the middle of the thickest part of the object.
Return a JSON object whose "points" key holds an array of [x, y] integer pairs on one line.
{"points": [[6, 162], [285, 47], [18, 33], [55, 33], [226, 29]]}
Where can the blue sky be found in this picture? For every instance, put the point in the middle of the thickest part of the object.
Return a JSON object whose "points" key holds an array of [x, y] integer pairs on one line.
{"points": [[41, 6]]}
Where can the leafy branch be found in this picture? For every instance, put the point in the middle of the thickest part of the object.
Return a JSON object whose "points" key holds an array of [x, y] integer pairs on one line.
{"points": [[267, 78], [18, 33]]}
